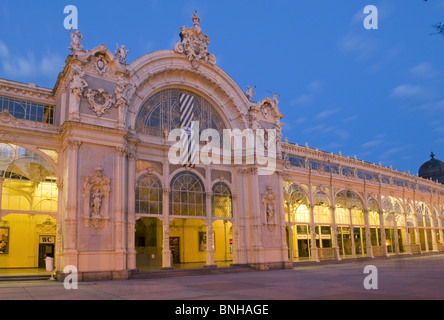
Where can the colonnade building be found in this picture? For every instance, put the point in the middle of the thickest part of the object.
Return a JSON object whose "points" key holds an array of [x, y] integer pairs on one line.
{"points": [[87, 176]]}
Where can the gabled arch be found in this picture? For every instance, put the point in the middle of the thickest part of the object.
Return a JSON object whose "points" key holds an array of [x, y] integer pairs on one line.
{"points": [[166, 69]]}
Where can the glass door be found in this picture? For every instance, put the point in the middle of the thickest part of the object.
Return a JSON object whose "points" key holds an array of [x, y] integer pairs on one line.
{"points": [[303, 235], [344, 241]]}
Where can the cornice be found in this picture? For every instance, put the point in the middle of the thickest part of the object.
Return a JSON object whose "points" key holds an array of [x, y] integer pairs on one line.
{"points": [[28, 92], [305, 151]]}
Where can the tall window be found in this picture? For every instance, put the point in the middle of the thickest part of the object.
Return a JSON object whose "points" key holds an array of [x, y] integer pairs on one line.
{"points": [[148, 195], [222, 201], [187, 196]]}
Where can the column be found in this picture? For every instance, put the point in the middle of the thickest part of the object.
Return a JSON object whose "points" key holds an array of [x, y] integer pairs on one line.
{"points": [[59, 219], [409, 238], [119, 204], [440, 226], [383, 239], [352, 233], [314, 249], [290, 233], [280, 220], [418, 238], [209, 229], [131, 258], [335, 232], [237, 256], [256, 216], [166, 252], [69, 222], [395, 232], [368, 237], [239, 230], [434, 228]]}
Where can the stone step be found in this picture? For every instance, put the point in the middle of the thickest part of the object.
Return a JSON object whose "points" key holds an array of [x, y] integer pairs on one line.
{"points": [[14, 278], [187, 272]]}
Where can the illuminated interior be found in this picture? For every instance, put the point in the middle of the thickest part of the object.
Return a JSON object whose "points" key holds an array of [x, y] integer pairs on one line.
{"points": [[354, 230], [187, 232], [28, 204]]}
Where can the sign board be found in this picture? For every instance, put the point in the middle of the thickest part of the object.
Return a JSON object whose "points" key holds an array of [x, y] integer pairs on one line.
{"points": [[47, 239]]}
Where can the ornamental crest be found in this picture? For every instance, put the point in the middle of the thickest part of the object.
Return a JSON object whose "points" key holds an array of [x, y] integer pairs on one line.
{"points": [[99, 101], [194, 44]]}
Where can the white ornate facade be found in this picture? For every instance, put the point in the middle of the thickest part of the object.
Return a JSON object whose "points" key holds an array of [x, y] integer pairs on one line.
{"points": [[90, 167]]}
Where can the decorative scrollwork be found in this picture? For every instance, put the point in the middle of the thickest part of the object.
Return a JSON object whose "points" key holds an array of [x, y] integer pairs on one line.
{"points": [[99, 101]]}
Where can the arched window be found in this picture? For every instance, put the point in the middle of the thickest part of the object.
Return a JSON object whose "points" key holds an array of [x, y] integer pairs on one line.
{"points": [[411, 218], [30, 183], [148, 195], [392, 211], [423, 212], [161, 113], [297, 203], [187, 196], [321, 209], [348, 200], [222, 201], [373, 212]]}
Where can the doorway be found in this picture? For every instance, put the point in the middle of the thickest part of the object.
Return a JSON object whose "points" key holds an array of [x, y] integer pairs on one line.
{"points": [[344, 241], [175, 249], [360, 240], [45, 250]]}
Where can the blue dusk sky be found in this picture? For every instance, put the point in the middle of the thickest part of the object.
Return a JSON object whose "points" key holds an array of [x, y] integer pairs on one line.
{"points": [[377, 94]]}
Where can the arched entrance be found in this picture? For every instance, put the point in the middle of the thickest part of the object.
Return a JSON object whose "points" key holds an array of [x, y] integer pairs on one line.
{"points": [[190, 241], [29, 197], [351, 234], [222, 217], [193, 208]]}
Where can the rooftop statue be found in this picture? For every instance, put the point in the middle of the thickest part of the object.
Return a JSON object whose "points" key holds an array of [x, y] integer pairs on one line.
{"points": [[250, 92], [121, 53], [194, 44], [75, 41]]}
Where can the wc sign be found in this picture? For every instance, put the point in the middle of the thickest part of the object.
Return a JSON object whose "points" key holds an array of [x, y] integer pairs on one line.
{"points": [[47, 239]]}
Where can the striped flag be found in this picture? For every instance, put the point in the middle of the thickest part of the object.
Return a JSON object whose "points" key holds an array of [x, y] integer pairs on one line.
{"points": [[188, 155]]}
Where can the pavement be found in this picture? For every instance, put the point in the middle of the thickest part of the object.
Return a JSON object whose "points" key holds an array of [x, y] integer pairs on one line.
{"points": [[406, 278]]}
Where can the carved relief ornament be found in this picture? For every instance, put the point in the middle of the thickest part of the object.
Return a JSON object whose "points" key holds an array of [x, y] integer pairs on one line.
{"points": [[99, 101], [269, 205], [96, 192]]}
